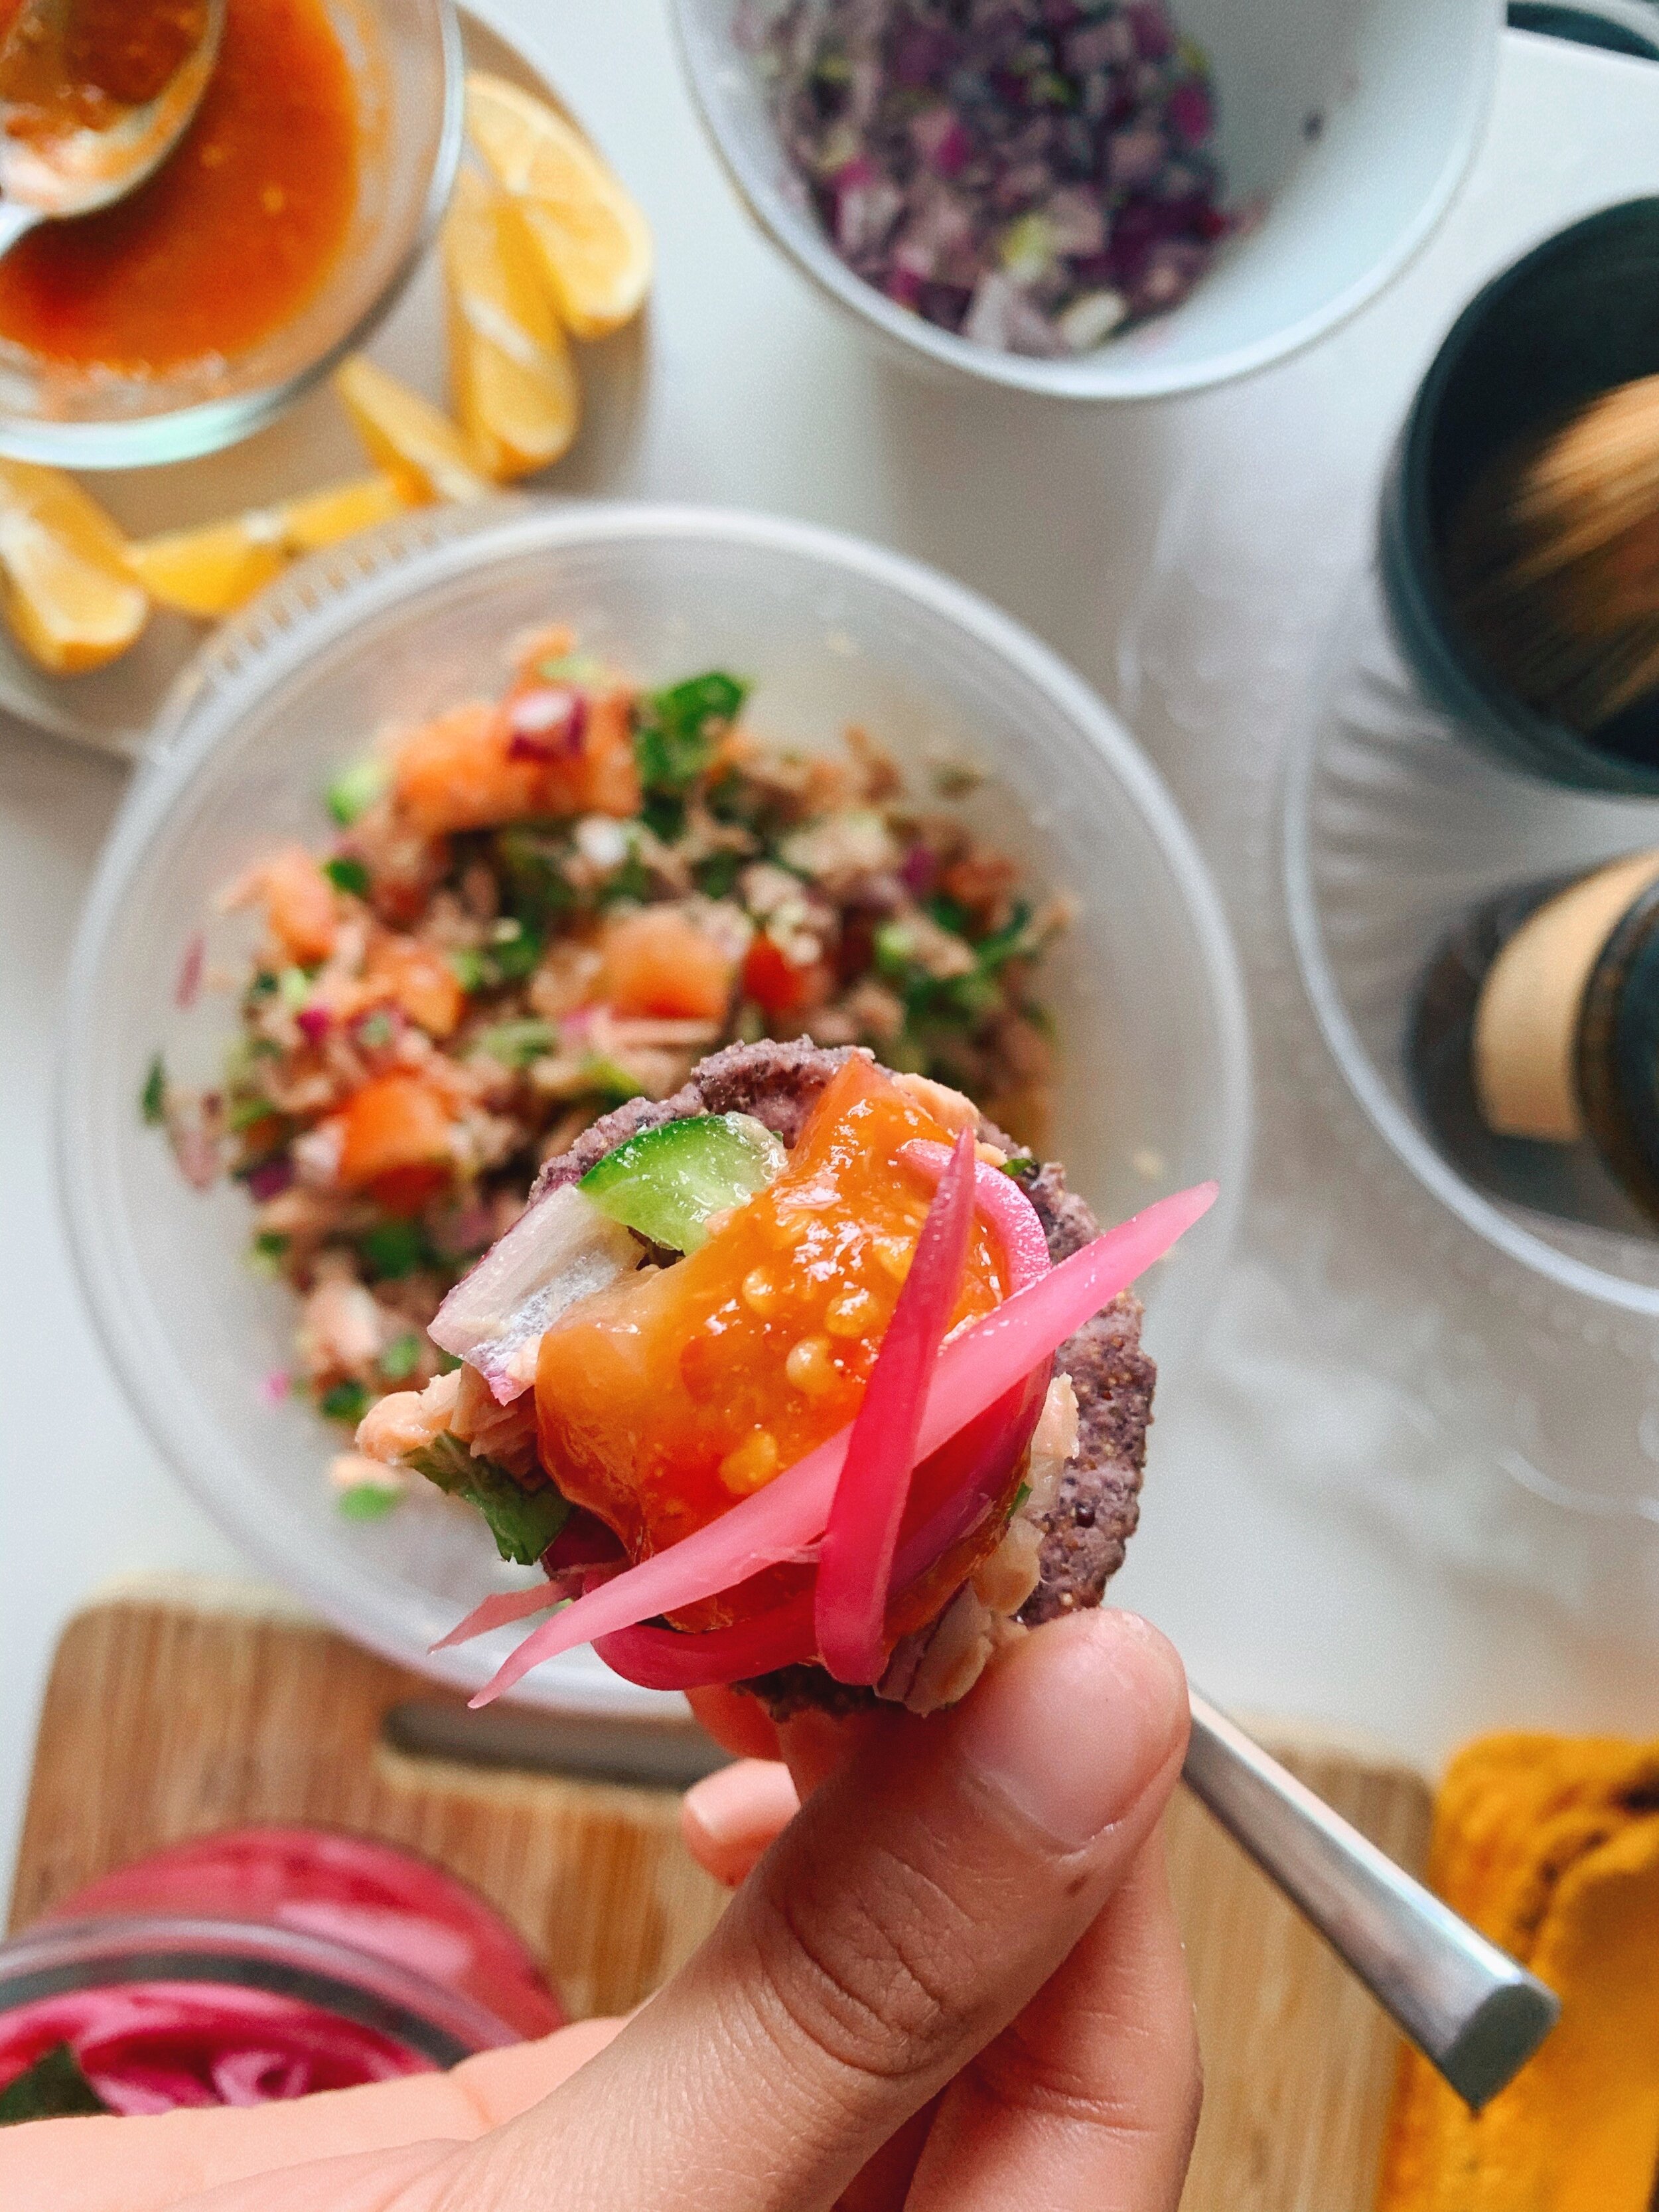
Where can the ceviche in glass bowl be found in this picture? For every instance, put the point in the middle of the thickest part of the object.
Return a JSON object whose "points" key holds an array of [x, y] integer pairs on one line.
{"points": [[459, 842]]}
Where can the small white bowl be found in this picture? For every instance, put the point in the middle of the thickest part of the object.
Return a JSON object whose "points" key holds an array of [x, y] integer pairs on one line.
{"points": [[1350, 122], [1154, 1083]]}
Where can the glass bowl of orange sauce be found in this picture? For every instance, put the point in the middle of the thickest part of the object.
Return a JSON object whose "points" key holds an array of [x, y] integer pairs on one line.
{"points": [[271, 242]]}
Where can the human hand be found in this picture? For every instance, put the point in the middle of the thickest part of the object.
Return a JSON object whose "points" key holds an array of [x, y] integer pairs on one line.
{"points": [[953, 1981]]}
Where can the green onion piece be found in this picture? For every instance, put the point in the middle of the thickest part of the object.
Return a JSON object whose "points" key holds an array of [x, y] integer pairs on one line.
{"points": [[368, 1501], [357, 788], [468, 968], [153, 1099], [517, 1044]]}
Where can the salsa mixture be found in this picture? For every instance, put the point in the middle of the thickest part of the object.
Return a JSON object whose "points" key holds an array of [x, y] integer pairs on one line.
{"points": [[536, 908], [236, 230]]}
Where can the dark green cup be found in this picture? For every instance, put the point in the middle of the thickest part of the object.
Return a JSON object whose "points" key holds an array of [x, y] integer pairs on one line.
{"points": [[1576, 316]]}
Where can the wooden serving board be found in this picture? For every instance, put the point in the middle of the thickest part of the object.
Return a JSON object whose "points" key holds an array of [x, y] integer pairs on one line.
{"points": [[171, 1711]]}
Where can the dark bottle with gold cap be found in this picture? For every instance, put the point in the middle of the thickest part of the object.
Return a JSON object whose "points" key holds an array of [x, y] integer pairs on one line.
{"points": [[1534, 1047]]}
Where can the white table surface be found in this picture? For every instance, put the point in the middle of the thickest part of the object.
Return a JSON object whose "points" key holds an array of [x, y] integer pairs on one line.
{"points": [[1186, 557]]}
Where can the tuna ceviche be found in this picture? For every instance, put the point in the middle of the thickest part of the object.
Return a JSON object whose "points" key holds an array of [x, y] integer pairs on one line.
{"points": [[1029, 173], [533, 910], [806, 1378]]}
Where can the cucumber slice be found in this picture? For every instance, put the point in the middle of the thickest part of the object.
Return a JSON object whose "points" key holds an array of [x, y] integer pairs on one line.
{"points": [[665, 1182]]}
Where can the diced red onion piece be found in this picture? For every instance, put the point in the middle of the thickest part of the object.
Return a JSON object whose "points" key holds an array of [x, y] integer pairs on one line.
{"points": [[785, 1519], [856, 1561], [547, 723]]}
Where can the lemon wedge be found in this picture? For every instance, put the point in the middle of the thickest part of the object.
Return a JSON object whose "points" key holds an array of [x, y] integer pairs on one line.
{"points": [[516, 383], [324, 518], [215, 570], [593, 243], [426, 455], [212, 571], [64, 587]]}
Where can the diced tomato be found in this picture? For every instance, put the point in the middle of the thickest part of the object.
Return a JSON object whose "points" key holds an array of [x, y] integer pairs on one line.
{"points": [[611, 776], [661, 1401], [395, 1141], [418, 980], [463, 771], [300, 905], [777, 985], [658, 962]]}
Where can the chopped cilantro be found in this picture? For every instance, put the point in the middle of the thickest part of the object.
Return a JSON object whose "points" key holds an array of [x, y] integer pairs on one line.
{"points": [[263, 985], [467, 966], [717, 874], [53, 2088], [247, 1110], [516, 1044], [1015, 940], [401, 1356], [609, 1080], [267, 1251], [447, 1363], [1021, 1495], [153, 1099], [515, 951], [663, 816], [631, 881], [343, 1401], [355, 789], [676, 729], [392, 1248], [347, 875], [368, 1501], [537, 887], [524, 1522]]}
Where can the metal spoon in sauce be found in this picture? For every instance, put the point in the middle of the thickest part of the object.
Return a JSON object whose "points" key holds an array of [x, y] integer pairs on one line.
{"points": [[95, 94]]}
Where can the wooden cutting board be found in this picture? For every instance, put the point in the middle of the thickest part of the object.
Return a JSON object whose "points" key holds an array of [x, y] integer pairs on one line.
{"points": [[178, 1709]]}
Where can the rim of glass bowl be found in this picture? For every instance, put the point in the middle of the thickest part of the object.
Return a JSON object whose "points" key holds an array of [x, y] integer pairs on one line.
{"points": [[1087, 376], [311, 609], [1389, 1116], [53, 1956], [186, 433]]}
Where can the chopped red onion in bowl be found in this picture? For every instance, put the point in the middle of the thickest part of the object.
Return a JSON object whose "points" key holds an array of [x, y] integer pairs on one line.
{"points": [[1032, 174]]}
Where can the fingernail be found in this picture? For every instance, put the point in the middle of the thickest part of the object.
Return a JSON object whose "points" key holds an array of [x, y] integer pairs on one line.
{"points": [[1074, 1724]]}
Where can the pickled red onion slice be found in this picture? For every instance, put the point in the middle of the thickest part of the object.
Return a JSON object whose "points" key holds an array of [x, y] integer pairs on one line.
{"points": [[1003, 1203], [780, 1521], [667, 1659], [856, 1561]]}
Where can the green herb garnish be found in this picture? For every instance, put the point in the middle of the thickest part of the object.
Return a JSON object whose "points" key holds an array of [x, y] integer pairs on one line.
{"points": [[355, 789], [401, 1356], [392, 1248], [675, 731], [53, 2088], [343, 1401], [517, 1044], [524, 1522], [367, 1501], [153, 1099], [348, 875], [267, 1251]]}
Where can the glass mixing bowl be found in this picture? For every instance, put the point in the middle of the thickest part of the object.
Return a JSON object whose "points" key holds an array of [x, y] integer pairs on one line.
{"points": [[1154, 1084], [406, 57]]}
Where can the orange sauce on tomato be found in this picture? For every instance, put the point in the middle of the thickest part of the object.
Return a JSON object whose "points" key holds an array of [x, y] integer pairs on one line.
{"points": [[232, 235], [661, 1402]]}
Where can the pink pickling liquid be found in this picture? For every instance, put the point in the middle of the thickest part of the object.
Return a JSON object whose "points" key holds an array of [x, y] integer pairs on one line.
{"points": [[150, 2046]]}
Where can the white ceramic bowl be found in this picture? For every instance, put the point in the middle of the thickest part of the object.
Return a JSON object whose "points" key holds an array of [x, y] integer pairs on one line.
{"points": [[1155, 1085], [1351, 121]]}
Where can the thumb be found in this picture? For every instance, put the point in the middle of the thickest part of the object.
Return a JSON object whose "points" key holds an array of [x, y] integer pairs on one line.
{"points": [[921, 1899]]}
